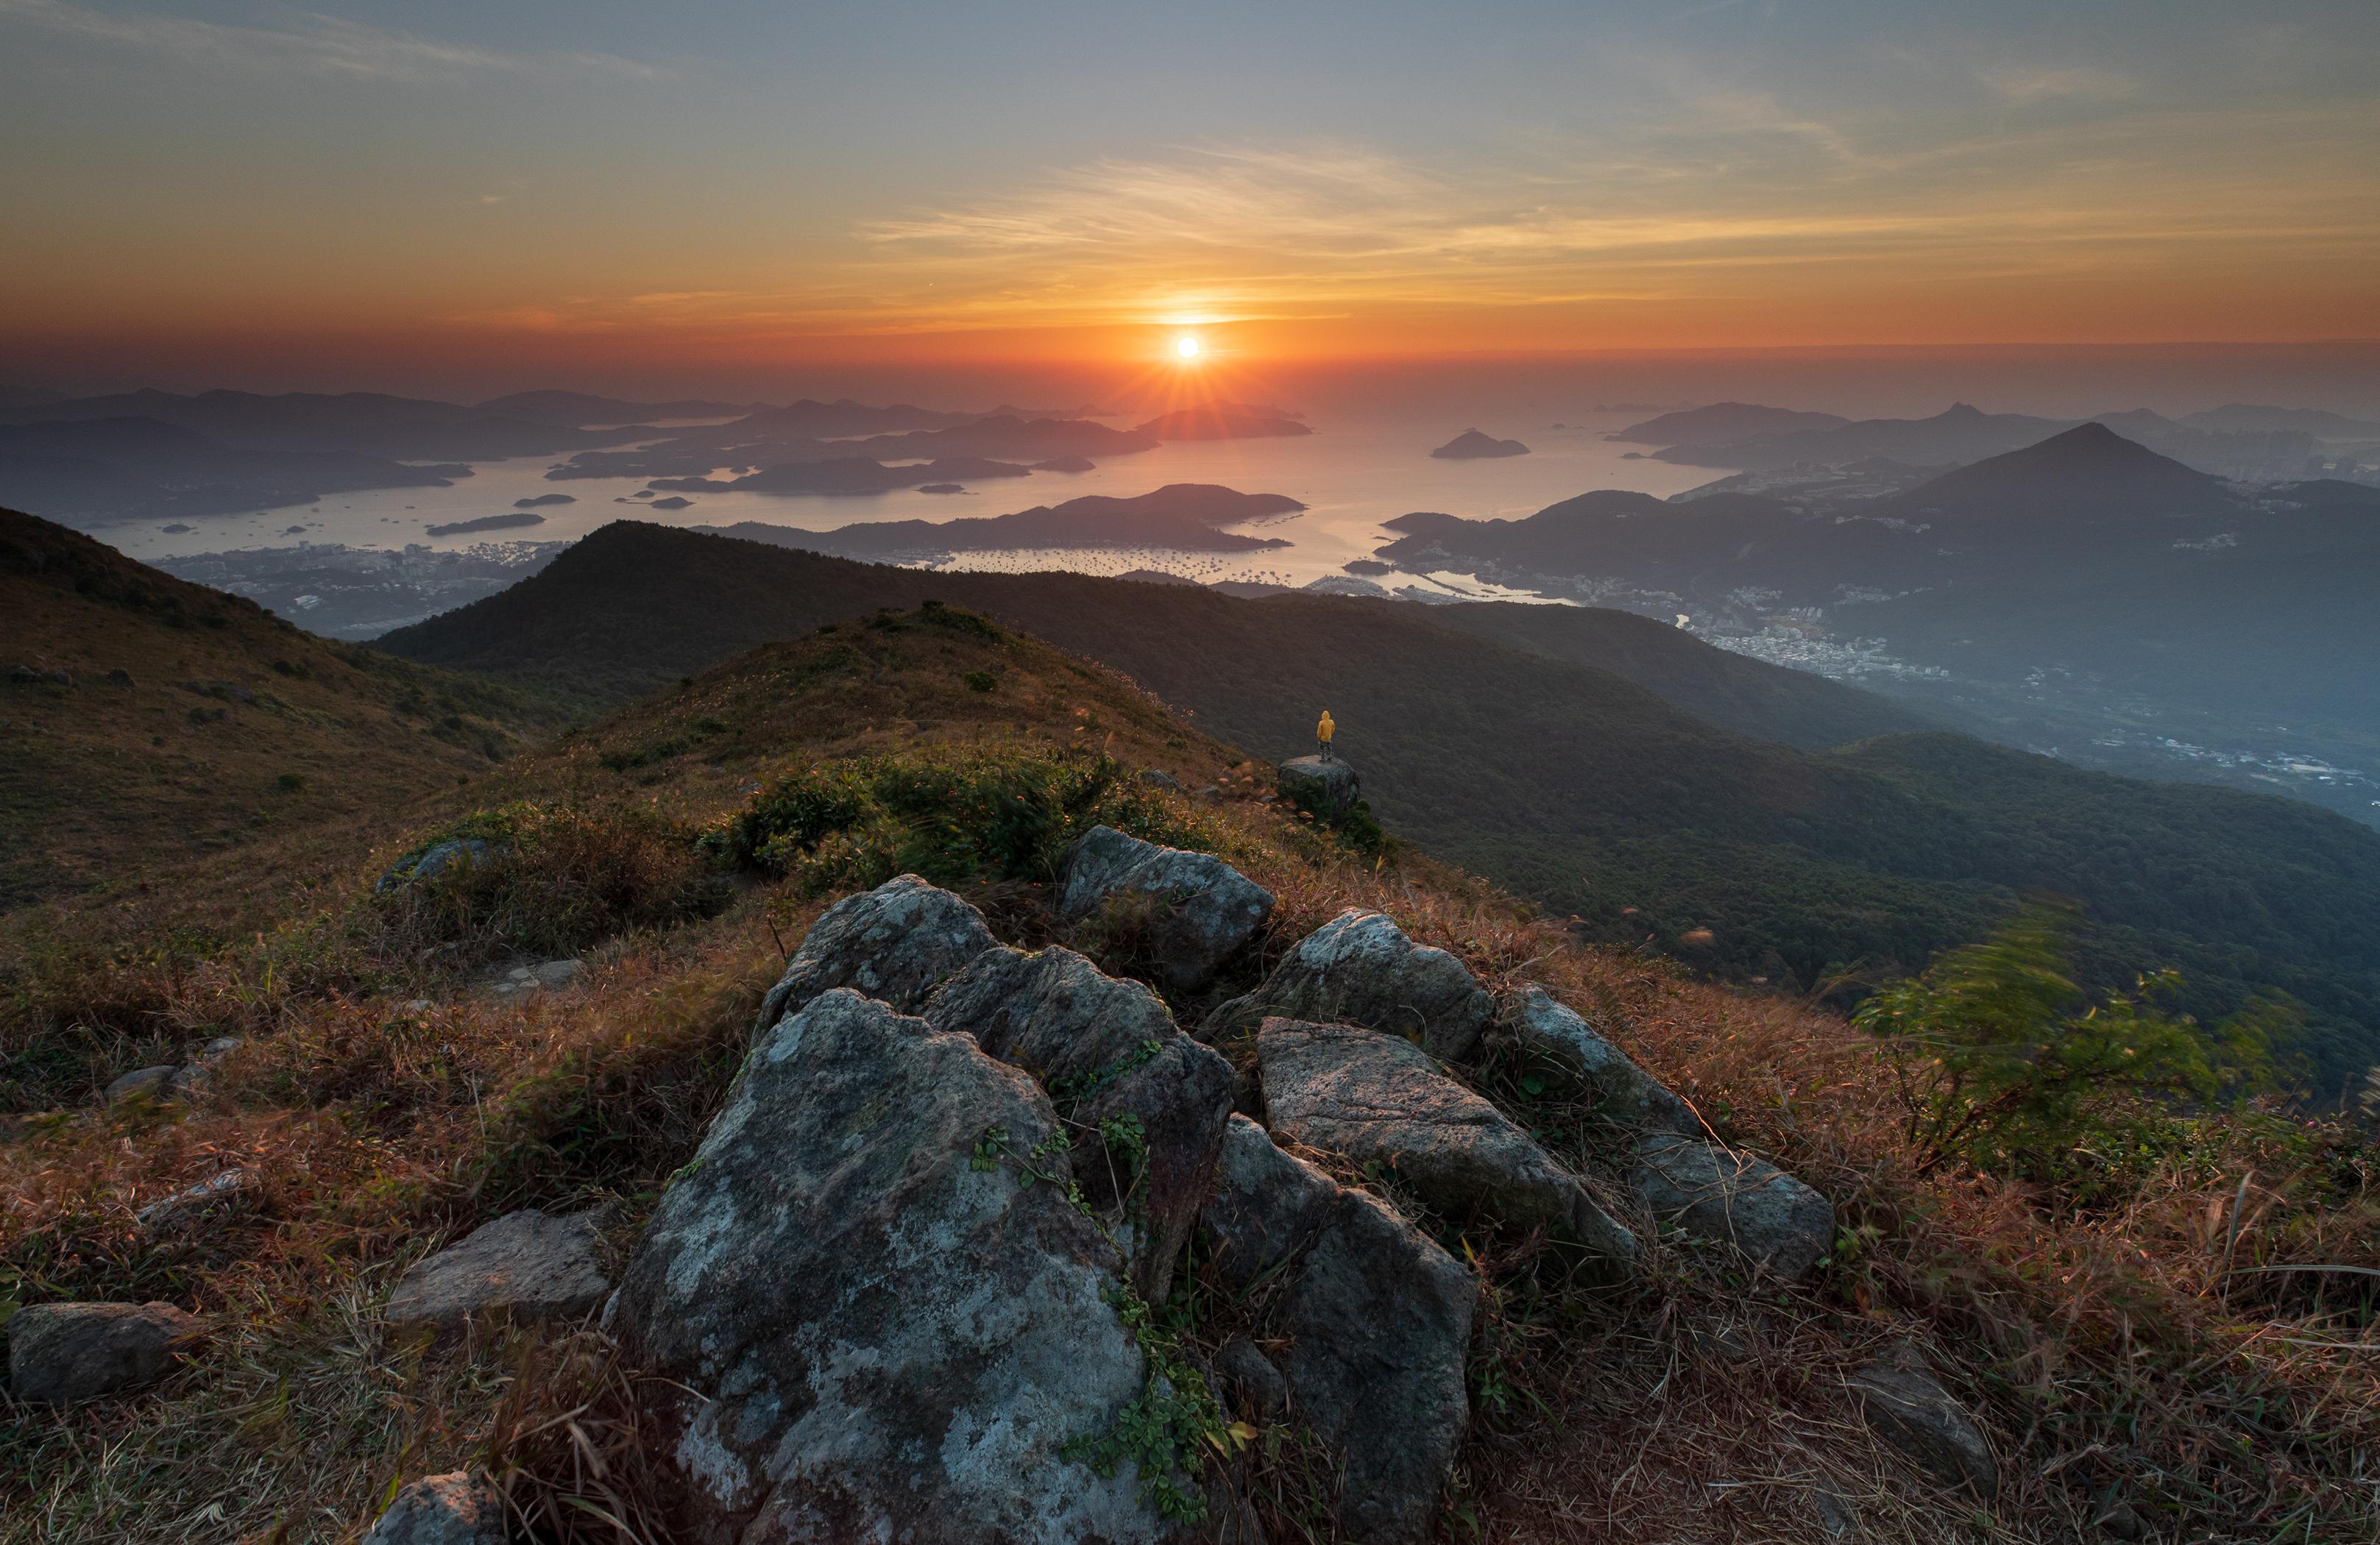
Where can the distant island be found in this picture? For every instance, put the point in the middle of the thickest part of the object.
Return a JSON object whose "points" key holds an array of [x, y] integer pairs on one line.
{"points": [[1066, 464], [1199, 423], [484, 522], [1471, 445], [850, 474], [1185, 517], [1723, 422], [676, 501], [533, 501], [941, 487]]}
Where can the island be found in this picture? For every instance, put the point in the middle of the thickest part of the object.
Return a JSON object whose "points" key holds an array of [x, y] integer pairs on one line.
{"points": [[941, 487], [1199, 423], [532, 501], [675, 501], [1178, 517], [851, 474], [484, 522], [1471, 445]]}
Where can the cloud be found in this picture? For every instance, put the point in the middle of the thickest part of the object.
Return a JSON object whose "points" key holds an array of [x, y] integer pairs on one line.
{"points": [[317, 44]]}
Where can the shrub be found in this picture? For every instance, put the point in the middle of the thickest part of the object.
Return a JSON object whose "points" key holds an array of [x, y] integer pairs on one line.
{"points": [[951, 816], [558, 878], [1994, 1067], [980, 681]]}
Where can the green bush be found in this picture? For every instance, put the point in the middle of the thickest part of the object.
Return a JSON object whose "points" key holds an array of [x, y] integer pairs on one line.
{"points": [[952, 816], [1999, 1064], [557, 878]]}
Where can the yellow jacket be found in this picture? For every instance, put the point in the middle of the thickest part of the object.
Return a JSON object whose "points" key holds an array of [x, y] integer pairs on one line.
{"points": [[1322, 730]]}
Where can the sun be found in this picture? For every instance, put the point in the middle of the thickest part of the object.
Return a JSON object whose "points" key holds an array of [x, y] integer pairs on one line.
{"points": [[1186, 346]]}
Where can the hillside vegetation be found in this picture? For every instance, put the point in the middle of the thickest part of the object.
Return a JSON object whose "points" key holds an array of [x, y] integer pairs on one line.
{"points": [[2140, 1370], [148, 718], [1584, 791]]}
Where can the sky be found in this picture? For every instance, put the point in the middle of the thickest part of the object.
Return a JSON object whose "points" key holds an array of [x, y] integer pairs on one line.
{"points": [[583, 189]]}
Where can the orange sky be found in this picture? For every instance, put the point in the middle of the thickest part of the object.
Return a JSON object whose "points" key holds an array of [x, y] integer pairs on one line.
{"points": [[585, 187]]}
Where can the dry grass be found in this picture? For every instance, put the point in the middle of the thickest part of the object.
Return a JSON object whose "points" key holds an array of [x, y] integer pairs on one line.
{"points": [[2115, 1353]]}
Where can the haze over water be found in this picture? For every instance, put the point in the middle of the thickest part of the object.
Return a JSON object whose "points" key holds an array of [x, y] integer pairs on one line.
{"points": [[1351, 477]]}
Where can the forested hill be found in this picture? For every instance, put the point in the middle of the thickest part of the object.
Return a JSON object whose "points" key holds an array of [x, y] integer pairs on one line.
{"points": [[1569, 784]]}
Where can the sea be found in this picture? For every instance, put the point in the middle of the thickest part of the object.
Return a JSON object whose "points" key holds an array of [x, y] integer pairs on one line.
{"points": [[1350, 477]]}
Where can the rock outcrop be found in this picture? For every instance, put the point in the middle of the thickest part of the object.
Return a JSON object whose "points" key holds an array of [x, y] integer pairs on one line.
{"points": [[144, 1083], [457, 1509], [1624, 1092], [1471, 445], [1908, 1407], [1266, 1208], [1202, 909], [66, 1354], [1380, 1322], [1146, 1104], [437, 858], [896, 943], [1360, 969], [891, 1327], [1722, 1193], [1329, 784], [1379, 1100], [524, 1268]]}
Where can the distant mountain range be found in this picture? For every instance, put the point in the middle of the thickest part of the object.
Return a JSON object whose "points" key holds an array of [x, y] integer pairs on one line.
{"points": [[2084, 592], [1512, 745], [2238, 442]]}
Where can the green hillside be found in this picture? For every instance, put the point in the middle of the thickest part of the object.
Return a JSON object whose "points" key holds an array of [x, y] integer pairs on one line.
{"points": [[1571, 786]]}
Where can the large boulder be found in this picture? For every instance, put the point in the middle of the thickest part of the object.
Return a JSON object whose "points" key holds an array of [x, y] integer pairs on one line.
{"points": [[457, 1509], [1329, 784], [1379, 1100], [1266, 1208], [1360, 969], [1381, 1324], [454, 852], [895, 944], [885, 1325], [523, 1268], [1728, 1194], [65, 1353], [1908, 1407], [1203, 910], [1624, 1092], [1147, 1104]]}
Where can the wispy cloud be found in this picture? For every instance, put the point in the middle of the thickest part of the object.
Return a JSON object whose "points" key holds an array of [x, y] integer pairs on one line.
{"points": [[328, 45]]}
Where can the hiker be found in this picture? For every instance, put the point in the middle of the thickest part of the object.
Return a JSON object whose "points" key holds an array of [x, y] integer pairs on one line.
{"points": [[1322, 733]]}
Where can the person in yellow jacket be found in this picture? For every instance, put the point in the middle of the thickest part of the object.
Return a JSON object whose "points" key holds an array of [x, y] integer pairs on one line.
{"points": [[1322, 733]]}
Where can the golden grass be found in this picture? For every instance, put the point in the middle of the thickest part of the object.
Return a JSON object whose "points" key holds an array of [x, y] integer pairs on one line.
{"points": [[2116, 1355]]}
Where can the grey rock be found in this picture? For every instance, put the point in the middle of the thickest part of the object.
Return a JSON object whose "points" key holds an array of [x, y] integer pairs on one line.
{"points": [[1267, 1205], [1333, 784], [191, 1079], [65, 1353], [436, 859], [559, 973], [227, 1194], [1204, 910], [119, 677], [1624, 1092], [1731, 1195], [1381, 1318], [1257, 1385], [1157, 778], [146, 1083], [1379, 1100], [1360, 969], [888, 1336], [524, 1268], [1908, 1407], [458, 1509], [1105, 1049], [895, 944]]}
